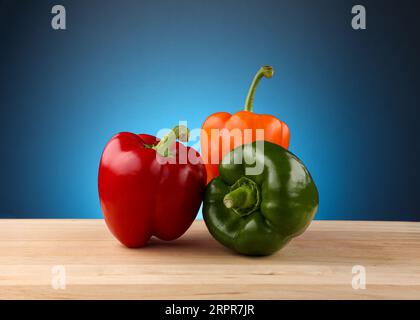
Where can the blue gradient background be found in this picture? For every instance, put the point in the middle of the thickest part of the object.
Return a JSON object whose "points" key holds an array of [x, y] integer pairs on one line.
{"points": [[349, 97]]}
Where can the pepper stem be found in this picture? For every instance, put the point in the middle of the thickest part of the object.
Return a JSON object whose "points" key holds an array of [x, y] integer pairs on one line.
{"points": [[244, 197], [180, 132], [265, 71]]}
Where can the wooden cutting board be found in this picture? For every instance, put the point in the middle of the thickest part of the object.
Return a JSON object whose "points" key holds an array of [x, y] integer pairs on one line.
{"points": [[79, 259]]}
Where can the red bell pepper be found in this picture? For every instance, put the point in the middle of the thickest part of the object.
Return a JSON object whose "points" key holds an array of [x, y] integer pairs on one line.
{"points": [[146, 188]]}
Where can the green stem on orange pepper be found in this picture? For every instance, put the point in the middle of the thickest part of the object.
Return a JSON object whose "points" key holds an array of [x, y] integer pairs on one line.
{"points": [[265, 71]]}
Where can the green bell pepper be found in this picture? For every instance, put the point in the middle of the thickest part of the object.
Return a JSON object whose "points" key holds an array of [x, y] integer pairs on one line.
{"points": [[259, 214]]}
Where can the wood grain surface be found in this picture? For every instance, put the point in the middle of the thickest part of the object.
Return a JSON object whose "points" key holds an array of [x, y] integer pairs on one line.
{"points": [[79, 259]]}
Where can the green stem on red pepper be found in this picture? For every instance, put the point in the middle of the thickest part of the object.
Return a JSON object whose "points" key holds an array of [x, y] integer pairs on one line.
{"points": [[265, 71], [180, 132]]}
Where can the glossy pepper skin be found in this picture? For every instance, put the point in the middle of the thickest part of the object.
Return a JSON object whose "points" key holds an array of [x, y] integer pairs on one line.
{"points": [[275, 130], [259, 214], [141, 196]]}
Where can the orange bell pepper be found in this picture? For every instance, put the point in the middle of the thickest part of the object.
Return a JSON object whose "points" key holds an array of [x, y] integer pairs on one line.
{"points": [[220, 130]]}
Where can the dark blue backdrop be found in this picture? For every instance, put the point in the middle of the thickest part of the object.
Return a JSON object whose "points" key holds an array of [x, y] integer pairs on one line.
{"points": [[350, 97]]}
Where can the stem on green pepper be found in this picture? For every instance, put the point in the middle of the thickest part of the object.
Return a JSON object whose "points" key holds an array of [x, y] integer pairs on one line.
{"points": [[243, 197], [265, 71], [180, 132]]}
